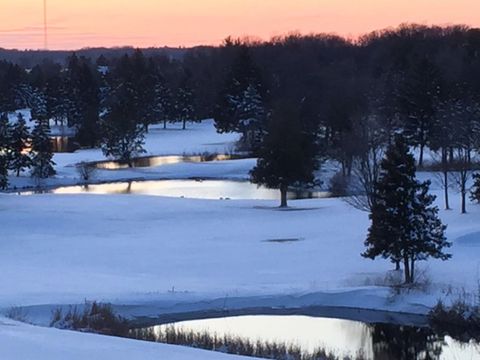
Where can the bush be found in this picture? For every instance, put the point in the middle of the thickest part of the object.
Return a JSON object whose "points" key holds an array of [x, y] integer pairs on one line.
{"points": [[461, 321], [96, 317], [475, 192]]}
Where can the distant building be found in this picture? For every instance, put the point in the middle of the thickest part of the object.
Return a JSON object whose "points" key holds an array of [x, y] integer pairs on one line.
{"points": [[62, 136]]}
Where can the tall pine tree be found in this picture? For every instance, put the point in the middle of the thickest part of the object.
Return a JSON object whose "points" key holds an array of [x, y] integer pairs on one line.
{"points": [[5, 150], [250, 113], [41, 152], [288, 152], [244, 74], [405, 225], [19, 159], [123, 134], [184, 105]]}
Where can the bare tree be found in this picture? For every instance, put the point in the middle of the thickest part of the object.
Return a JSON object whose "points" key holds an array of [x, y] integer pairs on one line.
{"points": [[86, 171], [366, 166], [461, 173]]}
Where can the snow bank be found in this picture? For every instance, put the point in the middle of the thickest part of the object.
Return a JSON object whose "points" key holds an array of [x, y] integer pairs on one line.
{"points": [[20, 341]]}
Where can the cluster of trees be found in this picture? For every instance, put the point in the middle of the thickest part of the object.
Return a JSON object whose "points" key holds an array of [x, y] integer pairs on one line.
{"points": [[418, 80], [21, 150], [110, 103], [296, 100]]}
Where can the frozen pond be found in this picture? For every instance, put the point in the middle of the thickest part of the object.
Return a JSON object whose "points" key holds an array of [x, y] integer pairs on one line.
{"points": [[342, 338], [153, 161], [196, 189]]}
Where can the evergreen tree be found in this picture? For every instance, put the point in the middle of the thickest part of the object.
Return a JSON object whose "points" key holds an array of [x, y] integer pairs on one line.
{"points": [[475, 191], [405, 225], [418, 98], [184, 105], [288, 152], [162, 102], [123, 137], [5, 150], [250, 113], [147, 78], [82, 103], [39, 110], [243, 74], [3, 170], [20, 135], [41, 152]]}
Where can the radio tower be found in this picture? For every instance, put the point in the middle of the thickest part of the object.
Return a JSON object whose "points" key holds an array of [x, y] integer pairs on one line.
{"points": [[45, 34]]}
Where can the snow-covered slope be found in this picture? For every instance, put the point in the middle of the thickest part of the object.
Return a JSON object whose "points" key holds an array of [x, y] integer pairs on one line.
{"points": [[157, 253], [20, 341]]}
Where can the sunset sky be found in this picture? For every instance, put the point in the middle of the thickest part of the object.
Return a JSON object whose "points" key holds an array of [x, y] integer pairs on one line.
{"points": [[75, 24]]}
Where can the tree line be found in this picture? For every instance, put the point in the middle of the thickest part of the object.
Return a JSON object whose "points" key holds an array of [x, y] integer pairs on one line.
{"points": [[296, 101], [352, 97]]}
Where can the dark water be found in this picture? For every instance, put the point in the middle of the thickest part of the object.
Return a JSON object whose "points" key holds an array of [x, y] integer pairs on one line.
{"points": [[197, 189], [343, 338]]}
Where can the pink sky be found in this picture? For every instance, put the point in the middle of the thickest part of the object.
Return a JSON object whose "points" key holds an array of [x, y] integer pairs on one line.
{"points": [[75, 24]]}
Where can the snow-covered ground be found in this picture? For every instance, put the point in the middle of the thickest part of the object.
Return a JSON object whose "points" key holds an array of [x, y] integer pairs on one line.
{"points": [[26, 342], [157, 254], [198, 138]]}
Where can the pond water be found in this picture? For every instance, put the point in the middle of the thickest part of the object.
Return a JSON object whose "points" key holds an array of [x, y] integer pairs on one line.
{"points": [[152, 161], [198, 189], [343, 338]]}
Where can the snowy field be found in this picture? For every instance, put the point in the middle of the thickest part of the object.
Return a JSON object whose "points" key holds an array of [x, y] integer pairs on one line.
{"points": [[158, 254], [198, 138]]}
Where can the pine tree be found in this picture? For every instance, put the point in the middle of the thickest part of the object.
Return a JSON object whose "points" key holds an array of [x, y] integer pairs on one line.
{"points": [[418, 99], [287, 154], [123, 137], [162, 102], [82, 103], [20, 135], [404, 223], [243, 74], [5, 150], [475, 191], [250, 113], [3, 171], [41, 152], [184, 105], [39, 106]]}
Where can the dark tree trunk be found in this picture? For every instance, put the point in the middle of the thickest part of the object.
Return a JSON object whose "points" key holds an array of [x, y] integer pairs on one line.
{"points": [[18, 172], [184, 124], [397, 265], [445, 177], [420, 160], [412, 270], [464, 195], [283, 196], [406, 269], [164, 124]]}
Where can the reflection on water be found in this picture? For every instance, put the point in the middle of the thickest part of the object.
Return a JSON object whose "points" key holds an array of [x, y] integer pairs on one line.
{"points": [[206, 189], [344, 338], [152, 161]]}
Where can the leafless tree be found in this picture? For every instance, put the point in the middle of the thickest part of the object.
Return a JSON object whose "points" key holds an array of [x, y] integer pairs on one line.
{"points": [[86, 171]]}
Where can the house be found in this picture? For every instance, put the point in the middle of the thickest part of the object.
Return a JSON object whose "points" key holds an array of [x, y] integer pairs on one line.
{"points": [[62, 136]]}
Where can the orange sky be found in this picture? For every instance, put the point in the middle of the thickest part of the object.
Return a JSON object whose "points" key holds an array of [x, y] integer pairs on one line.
{"points": [[75, 24]]}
